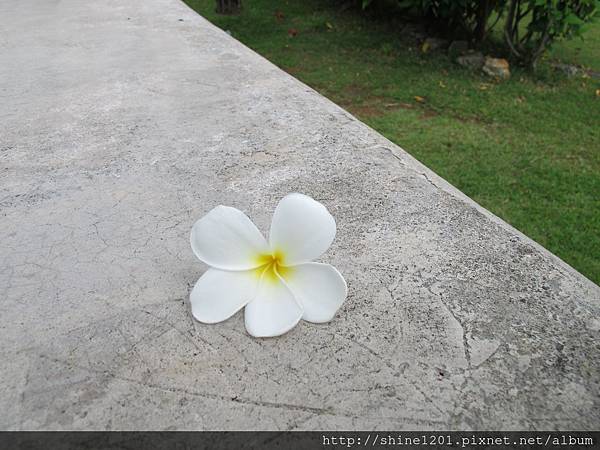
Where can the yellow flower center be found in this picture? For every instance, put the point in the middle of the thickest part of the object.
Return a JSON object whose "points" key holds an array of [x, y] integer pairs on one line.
{"points": [[271, 265]]}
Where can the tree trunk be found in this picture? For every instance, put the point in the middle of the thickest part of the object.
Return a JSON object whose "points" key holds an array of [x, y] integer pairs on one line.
{"points": [[484, 9], [509, 29], [229, 6]]}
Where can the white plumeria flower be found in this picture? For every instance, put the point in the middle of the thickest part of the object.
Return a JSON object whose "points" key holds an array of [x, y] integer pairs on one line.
{"points": [[276, 280]]}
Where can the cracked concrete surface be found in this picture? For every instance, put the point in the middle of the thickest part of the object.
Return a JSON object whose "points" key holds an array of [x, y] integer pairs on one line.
{"points": [[122, 122]]}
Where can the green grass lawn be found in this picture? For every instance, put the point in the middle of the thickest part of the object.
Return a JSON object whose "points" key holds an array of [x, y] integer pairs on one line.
{"points": [[527, 149]]}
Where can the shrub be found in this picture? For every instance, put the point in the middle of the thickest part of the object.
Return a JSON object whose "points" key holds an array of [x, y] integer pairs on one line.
{"points": [[463, 18], [533, 25], [468, 19], [530, 26]]}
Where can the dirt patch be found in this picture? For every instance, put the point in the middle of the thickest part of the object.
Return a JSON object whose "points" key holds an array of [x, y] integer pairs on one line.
{"points": [[292, 70], [361, 102], [365, 110], [428, 114], [356, 90], [375, 107]]}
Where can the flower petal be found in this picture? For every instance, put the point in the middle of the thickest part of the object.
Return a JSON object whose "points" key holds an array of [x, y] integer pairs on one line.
{"points": [[302, 229], [274, 311], [226, 239], [219, 294], [320, 288]]}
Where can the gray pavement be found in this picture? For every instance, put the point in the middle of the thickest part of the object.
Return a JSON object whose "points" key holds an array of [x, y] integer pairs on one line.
{"points": [[122, 122]]}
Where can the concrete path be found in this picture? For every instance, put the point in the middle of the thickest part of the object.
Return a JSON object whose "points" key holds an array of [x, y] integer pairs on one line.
{"points": [[122, 122]]}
